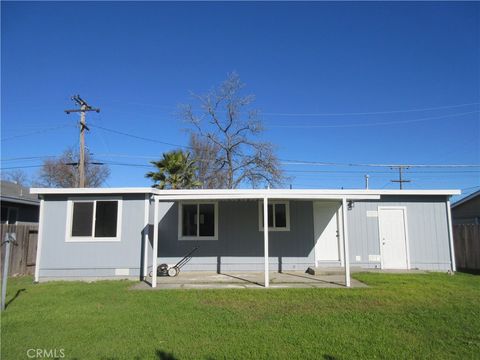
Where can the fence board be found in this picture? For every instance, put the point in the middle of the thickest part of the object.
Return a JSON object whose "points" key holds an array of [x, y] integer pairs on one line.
{"points": [[23, 252], [467, 246]]}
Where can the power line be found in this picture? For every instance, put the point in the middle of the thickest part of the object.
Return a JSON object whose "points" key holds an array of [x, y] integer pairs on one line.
{"points": [[374, 123], [318, 163], [140, 137], [167, 107], [370, 112], [20, 167], [44, 130], [382, 172], [28, 158]]}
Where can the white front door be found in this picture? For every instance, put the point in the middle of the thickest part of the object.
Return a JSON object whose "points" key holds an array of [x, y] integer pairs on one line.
{"points": [[393, 237], [325, 216]]}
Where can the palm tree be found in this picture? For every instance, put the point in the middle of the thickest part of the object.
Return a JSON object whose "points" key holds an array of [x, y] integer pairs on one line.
{"points": [[176, 170]]}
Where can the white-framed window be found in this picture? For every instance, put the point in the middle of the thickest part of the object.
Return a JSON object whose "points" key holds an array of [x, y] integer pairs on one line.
{"points": [[94, 219], [198, 220], [278, 215]]}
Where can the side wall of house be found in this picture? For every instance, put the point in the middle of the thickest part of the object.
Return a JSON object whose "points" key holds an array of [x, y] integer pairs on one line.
{"points": [[61, 259], [240, 242], [467, 213], [429, 244]]}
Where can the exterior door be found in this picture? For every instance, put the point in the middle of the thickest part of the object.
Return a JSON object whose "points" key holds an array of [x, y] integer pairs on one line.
{"points": [[326, 233], [393, 237]]}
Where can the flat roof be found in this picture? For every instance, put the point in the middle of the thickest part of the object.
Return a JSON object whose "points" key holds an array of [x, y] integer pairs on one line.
{"points": [[243, 193]]}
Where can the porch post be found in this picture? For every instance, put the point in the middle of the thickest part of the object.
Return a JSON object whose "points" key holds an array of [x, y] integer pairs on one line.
{"points": [[146, 241], [265, 239], [39, 239], [155, 243], [345, 242], [450, 235]]}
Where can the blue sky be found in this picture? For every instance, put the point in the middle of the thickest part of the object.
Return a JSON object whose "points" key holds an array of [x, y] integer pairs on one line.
{"points": [[138, 61]]}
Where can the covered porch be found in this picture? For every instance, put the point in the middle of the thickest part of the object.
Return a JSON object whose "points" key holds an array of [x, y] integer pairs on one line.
{"points": [[270, 275], [248, 280]]}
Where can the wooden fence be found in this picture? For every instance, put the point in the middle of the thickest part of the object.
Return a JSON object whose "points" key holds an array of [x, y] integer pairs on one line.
{"points": [[23, 252], [466, 239]]}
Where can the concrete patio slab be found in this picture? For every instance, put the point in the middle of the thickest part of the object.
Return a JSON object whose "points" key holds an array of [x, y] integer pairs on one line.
{"points": [[247, 280]]}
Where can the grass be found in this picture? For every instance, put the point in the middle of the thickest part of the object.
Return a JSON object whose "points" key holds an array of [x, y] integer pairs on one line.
{"points": [[434, 316]]}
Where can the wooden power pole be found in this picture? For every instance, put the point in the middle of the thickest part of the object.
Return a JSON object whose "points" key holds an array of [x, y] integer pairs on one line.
{"points": [[84, 107], [400, 180]]}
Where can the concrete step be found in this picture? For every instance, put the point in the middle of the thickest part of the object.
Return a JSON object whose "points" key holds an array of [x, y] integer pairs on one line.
{"points": [[323, 270]]}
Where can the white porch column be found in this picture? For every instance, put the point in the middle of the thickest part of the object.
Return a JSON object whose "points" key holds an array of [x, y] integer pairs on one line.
{"points": [[39, 239], [155, 243], [146, 239], [450, 235], [345, 242], [265, 240]]}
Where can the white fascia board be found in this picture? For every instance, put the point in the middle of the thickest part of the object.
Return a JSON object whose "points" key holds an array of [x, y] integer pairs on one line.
{"points": [[285, 193], [271, 192], [74, 191], [283, 196], [244, 193]]}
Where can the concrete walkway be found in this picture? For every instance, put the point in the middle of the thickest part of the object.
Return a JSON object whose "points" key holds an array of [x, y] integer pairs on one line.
{"points": [[247, 280]]}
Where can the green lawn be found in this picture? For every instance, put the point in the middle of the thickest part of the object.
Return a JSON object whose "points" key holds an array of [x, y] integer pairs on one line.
{"points": [[433, 316]]}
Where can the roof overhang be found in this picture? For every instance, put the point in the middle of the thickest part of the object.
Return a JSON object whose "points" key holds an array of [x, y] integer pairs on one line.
{"points": [[19, 200], [213, 194]]}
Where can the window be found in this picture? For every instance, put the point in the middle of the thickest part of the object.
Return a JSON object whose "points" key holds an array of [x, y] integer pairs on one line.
{"points": [[198, 221], [278, 215], [94, 220]]}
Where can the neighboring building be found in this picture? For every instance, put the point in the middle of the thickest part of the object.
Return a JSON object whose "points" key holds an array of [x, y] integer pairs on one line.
{"points": [[126, 232], [467, 210], [18, 205]]}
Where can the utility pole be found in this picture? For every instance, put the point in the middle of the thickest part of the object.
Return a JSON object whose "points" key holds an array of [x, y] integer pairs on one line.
{"points": [[84, 107], [400, 180], [366, 181]]}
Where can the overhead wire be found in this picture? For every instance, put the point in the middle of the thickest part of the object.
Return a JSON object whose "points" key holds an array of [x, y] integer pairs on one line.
{"points": [[368, 124]]}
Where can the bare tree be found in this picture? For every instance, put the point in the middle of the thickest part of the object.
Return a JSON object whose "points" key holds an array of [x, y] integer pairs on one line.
{"points": [[226, 122], [63, 171], [17, 176], [208, 170]]}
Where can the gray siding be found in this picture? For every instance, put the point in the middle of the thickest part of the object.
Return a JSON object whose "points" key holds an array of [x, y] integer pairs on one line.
{"points": [[427, 231], [240, 243], [95, 259]]}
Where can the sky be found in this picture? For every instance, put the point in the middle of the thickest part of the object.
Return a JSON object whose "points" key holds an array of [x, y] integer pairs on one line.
{"points": [[347, 83]]}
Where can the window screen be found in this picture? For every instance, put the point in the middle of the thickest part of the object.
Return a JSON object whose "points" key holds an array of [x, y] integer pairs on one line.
{"points": [[280, 215], [106, 219], [189, 220], [82, 219], [207, 220]]}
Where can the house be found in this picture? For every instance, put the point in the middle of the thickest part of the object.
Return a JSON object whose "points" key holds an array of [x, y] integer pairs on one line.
{"points": [[467, 210], [126, 232], [18, 206]]}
